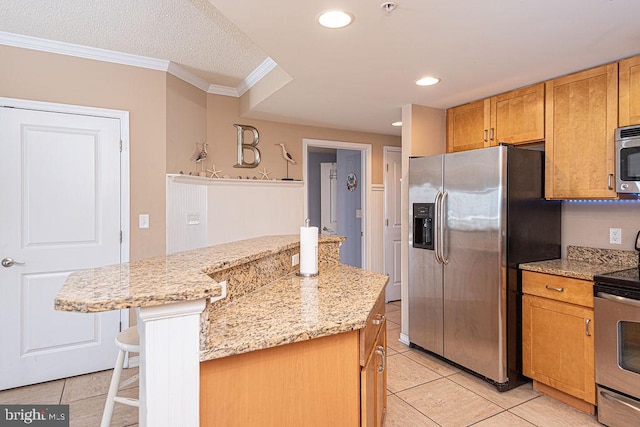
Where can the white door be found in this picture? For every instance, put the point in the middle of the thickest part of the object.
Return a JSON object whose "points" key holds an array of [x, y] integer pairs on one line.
{"points": [[392, 238], [328, 191], [59, 212]]}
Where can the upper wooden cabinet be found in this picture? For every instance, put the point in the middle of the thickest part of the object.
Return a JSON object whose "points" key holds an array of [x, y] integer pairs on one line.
{"points": [[629, 91], [514, 117], [581, 116], [467, 126]]}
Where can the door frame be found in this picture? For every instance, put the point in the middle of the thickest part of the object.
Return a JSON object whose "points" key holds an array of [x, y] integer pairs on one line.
{"points": [[365, 164], [123, 116], [385, 158]]}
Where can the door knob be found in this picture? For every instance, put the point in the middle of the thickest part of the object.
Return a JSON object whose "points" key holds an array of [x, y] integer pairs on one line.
{"points": [[8, 262]]}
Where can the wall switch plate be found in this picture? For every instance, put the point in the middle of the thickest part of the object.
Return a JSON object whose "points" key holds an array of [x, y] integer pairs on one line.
{"points": [[358, 213], [615, 236], [143, 221], [295, 260]]}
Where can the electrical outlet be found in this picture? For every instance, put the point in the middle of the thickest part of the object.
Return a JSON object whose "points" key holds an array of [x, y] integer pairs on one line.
{"points": [[615, 236], [295, 260], [143, 221]]}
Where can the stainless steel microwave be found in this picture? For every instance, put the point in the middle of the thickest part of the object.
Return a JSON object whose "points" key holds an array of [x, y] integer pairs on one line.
{"points": [[628, 159]]}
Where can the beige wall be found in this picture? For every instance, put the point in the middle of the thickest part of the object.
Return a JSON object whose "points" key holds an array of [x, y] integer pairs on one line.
{"points": [[588, 223], [186, 124], [40, 76], [224, 111]]}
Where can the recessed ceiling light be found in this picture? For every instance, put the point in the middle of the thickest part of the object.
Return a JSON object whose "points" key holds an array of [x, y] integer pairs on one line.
{"points": [[428, 81], [398, 124], [335, 19]]}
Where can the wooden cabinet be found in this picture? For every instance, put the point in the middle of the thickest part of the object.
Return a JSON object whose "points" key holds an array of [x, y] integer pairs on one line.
{"points": [[581, 117], [557, 337], [324, 381], [629, 107], [514, 117]]}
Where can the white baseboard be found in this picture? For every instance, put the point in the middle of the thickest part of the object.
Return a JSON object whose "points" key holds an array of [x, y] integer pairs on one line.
{"points": [[404, 339]]}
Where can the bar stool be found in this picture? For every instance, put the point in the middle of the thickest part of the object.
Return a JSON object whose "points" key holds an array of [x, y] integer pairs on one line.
{"points": [[126, 341]]}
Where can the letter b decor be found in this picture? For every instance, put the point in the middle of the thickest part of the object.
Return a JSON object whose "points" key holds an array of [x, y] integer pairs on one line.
{"points": [[252, 146]]}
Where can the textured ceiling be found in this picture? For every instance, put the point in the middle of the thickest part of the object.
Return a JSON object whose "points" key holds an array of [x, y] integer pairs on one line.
{"points": [[191, 33], [358, 77]]}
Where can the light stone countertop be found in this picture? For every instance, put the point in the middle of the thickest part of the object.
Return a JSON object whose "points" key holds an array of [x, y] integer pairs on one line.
{"points": [[585, 263], [293, 309], [182, 276]]}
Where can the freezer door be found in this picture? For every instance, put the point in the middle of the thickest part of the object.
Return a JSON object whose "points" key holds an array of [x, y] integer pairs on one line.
{"points": [[425, 273], [475, 275]]}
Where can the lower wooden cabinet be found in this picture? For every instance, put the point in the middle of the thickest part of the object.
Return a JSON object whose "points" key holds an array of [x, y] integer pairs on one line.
{"points": [[557, 335], [336, 380]]}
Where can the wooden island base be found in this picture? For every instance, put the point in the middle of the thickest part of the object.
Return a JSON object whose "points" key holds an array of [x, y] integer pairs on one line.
{"points": [[309, 383]]}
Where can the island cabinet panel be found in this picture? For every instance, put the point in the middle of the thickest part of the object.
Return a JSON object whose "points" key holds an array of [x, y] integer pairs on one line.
{"points": [[629, 113], [309, 383], [581, 117], [517, 117], [467, 126], [373, 382], [557, 338]]}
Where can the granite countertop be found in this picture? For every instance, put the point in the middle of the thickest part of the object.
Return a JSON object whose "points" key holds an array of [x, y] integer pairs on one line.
{"points": [[585, 263], [293, 309], [182, 276]]}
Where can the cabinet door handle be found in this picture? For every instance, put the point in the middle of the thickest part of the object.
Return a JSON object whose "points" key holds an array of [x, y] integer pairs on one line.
{"points": [[553, 288], [609, 181], [485, 135], [383, 356], [586, 327], [491, 134], [378, 319]]}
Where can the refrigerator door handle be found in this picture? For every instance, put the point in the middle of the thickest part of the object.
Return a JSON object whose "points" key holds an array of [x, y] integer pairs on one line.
{"points": [[441, 239], [436, 229]]}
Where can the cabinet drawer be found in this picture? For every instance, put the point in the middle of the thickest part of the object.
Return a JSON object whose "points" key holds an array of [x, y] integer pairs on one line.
{"points": [[559, 288], [369, 333]]}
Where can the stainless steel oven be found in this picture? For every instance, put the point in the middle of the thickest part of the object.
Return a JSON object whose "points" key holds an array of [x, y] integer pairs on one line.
{"points": [[617, 347]]}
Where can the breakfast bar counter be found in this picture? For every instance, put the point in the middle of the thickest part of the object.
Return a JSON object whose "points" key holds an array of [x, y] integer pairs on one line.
{"points": [[219, 302]]}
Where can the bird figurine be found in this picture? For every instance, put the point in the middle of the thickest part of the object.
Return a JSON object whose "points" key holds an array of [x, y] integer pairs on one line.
{"points": [[203, 153], [286, 155]]}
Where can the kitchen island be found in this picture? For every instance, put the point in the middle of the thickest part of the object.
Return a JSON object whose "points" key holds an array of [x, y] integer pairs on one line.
{"points": [[269, 312]]}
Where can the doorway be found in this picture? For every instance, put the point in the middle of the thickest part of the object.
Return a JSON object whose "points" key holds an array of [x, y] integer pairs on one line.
{"points": [[353, 176], [62, 210]]}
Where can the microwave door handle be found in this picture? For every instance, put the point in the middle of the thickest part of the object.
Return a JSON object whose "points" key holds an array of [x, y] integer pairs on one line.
{"points": [[619, 299]]}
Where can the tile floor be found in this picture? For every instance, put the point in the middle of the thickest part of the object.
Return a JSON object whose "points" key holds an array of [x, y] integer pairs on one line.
{"points": [[422, 391]]}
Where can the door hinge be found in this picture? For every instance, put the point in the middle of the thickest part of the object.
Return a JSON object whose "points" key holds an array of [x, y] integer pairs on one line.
{"points": [[120, 327], [120, 236], [387, 167], [121, 146]]}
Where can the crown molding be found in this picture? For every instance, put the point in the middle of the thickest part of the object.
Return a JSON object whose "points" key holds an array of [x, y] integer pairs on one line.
{"points": [[256, 75], [69, 49]]}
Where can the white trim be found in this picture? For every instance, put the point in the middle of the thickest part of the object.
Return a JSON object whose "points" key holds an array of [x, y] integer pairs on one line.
{"points": [[256, 75], [404, 339], [123, 116], [365, 155], [97, 54]]}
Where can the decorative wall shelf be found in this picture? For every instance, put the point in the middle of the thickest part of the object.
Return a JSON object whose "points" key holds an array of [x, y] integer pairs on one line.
{"points": [[190, 179]]}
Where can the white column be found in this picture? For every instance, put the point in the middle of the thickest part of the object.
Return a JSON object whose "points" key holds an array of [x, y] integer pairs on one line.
{"points": [[170, 364]]}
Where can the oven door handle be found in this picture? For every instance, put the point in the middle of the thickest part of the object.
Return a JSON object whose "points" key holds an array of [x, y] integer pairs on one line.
{"points": [[616, 298], [610, 396]]}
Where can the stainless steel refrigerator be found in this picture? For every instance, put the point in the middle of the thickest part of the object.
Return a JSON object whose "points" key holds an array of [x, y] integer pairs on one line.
{"points": [[475, 216]]}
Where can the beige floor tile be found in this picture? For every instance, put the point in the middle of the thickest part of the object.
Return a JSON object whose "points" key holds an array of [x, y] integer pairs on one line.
{"points": [[404, 373], [544, 411], [395, 317], [433, 363], [448, 403], [391, 351], [390, 308], [505, 400], [504, 419], [90, 385], [88, 412], [401, 414], [44, 393], [393, 342]]}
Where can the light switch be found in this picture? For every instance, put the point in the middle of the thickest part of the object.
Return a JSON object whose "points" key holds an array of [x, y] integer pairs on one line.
{"points": [[358, 213], [143, 221]]}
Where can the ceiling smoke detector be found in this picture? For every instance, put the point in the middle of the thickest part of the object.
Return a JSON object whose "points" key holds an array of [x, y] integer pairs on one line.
{"points": [[389, 6]]}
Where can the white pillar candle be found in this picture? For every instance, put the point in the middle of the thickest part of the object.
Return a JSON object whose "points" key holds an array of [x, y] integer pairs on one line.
{"points": [[308, 250]]}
